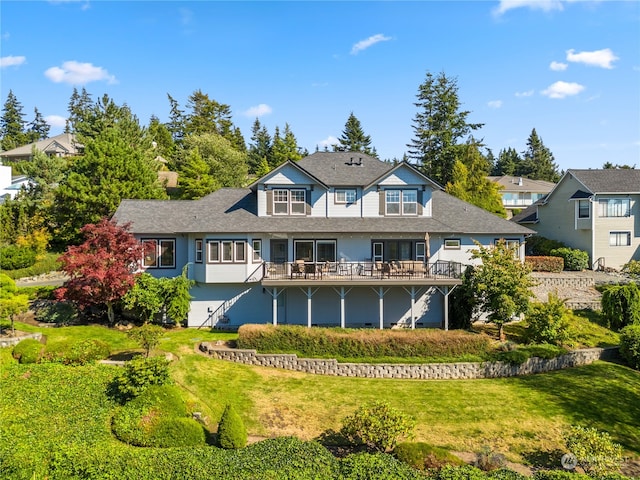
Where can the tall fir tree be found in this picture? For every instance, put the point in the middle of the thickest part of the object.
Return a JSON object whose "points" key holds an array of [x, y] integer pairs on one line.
{"points": [[12, 124], [284, 147], [353, 138], [176, 124], [79, 108], [439, 126], [538, 161], [508, 163], [260, 149], [195, 180], [38, 128]]}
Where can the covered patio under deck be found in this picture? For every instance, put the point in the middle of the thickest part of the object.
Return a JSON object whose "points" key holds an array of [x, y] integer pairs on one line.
{"points": [[415, 278]]}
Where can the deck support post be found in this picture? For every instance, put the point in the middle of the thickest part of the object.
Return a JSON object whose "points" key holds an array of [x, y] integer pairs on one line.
{"points": [[445, 291]]}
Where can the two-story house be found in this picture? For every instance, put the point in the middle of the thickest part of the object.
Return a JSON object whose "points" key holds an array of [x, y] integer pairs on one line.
{"points": [[520, 192], [339, 239], [63, 145], [597, 211]]}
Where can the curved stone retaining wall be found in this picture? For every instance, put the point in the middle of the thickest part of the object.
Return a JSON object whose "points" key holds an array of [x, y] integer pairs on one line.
{"points": [[426, 371]]}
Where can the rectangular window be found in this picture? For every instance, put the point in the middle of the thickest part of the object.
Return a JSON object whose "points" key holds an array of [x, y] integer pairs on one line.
{"points": [[619, 239], [345, 195], [198, 250], [421, 251], [392, 202], [214, 252], [584, 209], [227, 251], [159, 253], [378, 251], [452, 244], [303, 250], [326, 250], [257, 250], [280, 202], [409, 202], [298, 204], [615, 207], [511, 244], [240, 251]]}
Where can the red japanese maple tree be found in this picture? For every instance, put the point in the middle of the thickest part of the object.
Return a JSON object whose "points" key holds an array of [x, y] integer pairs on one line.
{"points": [[103, 268]]}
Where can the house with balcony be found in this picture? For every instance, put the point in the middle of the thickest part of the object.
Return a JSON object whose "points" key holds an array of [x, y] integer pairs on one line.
{"points": [[597, 211], [518, 193], [335, 239]]}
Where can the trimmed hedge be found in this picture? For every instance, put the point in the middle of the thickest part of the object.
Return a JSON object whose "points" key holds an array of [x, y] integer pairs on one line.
{"points": [[545, 263], [355, 343], [79, 352], [157, 418], [28, 351], [574, 260]]}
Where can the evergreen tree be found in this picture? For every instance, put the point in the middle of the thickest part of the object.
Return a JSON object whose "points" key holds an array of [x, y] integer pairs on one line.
{"points": [[161, 137], [508, 163], [176, 123], [283, 147], [80, 105], [438, 127], [112, 169], [12, 124], [260, 148], [195, 180], [227, 166], [38, 128], [353, 138], [538, 161]]}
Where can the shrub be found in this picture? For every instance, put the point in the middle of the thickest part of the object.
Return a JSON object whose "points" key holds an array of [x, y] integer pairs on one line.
{"points": [[545, 263], [574, 259], [147, 336], [346, 343], [14, 257], [540, 246], [424, 456], [231, 430], [376, 466], [630, 345], [488, 460], [595, 452], [157, 418], [466, 472], [27, 351], [514, 357], [87, 351], [139, 374], [463, 303], [548, 322], [377, 425], [621, 305], [60, 313], [632, 268]]}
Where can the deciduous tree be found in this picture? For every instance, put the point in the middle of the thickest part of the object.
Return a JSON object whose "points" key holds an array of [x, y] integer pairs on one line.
{"points": [[227, 166], [103, 268], [502, 283]]}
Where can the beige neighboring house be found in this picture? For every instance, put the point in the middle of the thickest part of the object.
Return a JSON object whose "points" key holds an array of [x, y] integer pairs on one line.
{"points": [[593, 210], [63, 145], [520, 192]]}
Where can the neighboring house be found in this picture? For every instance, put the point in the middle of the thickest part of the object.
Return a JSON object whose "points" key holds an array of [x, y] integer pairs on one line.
{"points": [[10, 185], [520, 192], [63, 145], [336, 239], [593, 210]]}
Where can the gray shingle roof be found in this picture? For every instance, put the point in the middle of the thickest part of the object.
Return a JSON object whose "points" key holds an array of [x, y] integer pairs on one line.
{"points": [[344, 168], [233, 210], [609, 180]]}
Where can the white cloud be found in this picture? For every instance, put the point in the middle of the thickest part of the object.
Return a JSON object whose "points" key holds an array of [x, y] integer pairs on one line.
{"points": [[558, 66], [598, 58], [259, 110], [327, 142], [544, 5], [528, 93], [55, 121], [562, 89], [364, 44], [495, 104], [12, 61], [76, 73]]}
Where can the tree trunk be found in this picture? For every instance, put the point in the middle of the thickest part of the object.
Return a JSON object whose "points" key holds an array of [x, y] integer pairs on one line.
{"points": [[501, 334], [110, 315]]}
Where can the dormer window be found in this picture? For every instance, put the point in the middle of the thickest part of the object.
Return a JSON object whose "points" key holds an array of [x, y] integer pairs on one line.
{"points": [[345, 195], [289, 202]]}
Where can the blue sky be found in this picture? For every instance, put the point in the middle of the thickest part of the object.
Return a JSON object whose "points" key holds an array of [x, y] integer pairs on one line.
{"points": [[569, 69]]}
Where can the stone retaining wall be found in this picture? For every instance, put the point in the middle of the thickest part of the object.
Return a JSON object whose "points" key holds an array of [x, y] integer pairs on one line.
{"points": [[426, 371], [560, 280], [11, 341]]}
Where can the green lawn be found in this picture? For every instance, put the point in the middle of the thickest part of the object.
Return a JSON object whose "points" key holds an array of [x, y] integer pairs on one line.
{"points": [[516, 416]]}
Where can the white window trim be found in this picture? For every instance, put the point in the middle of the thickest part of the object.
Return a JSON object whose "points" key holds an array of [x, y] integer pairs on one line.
{"points": [[452, 244], [618, 234], [209, 259], [578, 209], [256, 247], [157, 254], [289, 201], [400, 202], [198, 253], [346, 192]]}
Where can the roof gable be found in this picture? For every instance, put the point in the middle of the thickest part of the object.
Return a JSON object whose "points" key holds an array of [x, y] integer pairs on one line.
{"points": [[405, 171], [342, 169], [609, 180]]}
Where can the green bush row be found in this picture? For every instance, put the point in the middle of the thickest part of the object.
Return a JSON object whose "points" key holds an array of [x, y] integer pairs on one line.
{"points": [[78, 352], [574, 259], [352, 343], [14, 257], [545, 263], [48, 264], [284, 458]]}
